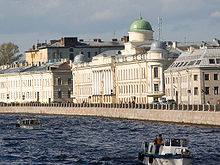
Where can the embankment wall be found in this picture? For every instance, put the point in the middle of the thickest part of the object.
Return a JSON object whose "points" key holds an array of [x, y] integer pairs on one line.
{"points": [[162, 115]]}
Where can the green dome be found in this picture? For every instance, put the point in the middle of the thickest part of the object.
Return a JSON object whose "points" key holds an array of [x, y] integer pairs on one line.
{"points": [[140, 25]]}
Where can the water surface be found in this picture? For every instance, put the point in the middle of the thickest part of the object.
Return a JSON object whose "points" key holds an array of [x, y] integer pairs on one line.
{"points": [[96, 141]]}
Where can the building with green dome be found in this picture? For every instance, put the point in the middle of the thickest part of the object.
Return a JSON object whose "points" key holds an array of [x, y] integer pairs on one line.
{"points": [[140, 25], [140, 30], [140, 37]]}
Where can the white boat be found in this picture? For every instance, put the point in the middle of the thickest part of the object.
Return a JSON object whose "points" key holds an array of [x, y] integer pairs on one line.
{"points": [[173, 152], [28, 123]]}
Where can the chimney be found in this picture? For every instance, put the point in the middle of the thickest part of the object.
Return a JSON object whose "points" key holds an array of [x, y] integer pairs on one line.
{"points": [[69, 41], [191, 49], [125, 39], [174, 44]]}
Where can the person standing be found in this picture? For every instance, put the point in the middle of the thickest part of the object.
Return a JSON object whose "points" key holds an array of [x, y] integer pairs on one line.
{"points": [[160, 140], [208, 103], [155, 140]]}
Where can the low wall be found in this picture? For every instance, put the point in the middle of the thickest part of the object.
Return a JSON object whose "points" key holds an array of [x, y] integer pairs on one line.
{"points": [[164, 115]]}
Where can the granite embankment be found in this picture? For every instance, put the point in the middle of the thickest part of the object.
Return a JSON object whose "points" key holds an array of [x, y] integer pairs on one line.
{"points": [[185, 114]]}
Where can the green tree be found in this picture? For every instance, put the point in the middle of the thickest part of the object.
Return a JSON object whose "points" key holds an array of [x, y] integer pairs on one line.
{"points": [[9, 53]]}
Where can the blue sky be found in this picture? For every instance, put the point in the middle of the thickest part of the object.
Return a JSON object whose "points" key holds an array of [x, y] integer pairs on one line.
{"points": [[24, 22]]}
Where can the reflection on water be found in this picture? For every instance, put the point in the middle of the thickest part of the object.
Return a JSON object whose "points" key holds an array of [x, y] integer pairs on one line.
{"points": [[96, 141]]}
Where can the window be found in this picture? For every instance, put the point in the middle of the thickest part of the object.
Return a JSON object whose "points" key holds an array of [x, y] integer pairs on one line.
{"points": [[216, 90], [211, 61], [59, 80], [69, 93], [69, 81], [206, 90], [191, 62], [198, 62], [71, 56], [59, 94], [156, 87], [195, 90], [215, 76], [206, 76], [185, 64], [155, 72], [71, 49], [89, 54], [195, 77], [218, 61], [96, 53]]}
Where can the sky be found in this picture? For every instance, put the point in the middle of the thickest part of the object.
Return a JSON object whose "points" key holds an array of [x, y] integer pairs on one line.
{"points": [[25, 22]]}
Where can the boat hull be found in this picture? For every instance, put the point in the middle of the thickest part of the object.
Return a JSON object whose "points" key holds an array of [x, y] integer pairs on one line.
{"points": [[166, 160]]}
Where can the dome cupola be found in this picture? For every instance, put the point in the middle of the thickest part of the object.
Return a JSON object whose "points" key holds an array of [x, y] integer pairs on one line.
{"points": [[158, 46], [80, 58], [140, 25], [140, 30]]}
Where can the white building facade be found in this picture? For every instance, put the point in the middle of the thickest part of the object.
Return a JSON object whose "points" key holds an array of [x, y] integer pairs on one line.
{"points": [[43, 84]]}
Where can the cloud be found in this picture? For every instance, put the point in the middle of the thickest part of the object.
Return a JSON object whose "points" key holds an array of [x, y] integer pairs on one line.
{"points": [[102, 15], [215, 14]]}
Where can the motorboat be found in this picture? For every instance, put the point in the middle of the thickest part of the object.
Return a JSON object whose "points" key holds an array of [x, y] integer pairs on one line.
{"points": [[173, 151], [28, 123]]}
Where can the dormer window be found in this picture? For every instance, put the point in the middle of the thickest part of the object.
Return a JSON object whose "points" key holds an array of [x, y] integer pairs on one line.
{"points": [[185, 64], [198, 62], [191, 62]]}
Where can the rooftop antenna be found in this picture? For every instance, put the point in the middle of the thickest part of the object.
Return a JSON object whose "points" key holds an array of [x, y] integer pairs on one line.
{"points": [[140, 15], [159, 27], [114, 34]]}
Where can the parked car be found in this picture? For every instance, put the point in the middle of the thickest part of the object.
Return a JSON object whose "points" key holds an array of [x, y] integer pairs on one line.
{"points": [[155, 102], [163, 102], [3, 103], [171, 101]]}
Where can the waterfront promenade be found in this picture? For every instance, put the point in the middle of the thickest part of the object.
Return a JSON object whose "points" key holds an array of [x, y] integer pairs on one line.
{"points": [[184, 114]]}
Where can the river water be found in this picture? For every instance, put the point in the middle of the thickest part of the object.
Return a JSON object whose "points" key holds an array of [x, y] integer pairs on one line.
{"points": [[96, 141]]}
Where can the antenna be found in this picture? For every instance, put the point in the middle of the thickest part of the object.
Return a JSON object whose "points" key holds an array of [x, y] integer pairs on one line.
{"points": [[159, 28], [114, 34]]}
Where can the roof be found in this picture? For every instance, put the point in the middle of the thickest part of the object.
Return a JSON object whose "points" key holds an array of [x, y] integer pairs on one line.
{"points": [[140, 25], [198, 58], [158, 46], [27, 69]]}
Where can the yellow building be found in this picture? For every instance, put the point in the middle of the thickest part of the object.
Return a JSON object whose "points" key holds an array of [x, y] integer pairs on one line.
{"points": [[68, 48]]}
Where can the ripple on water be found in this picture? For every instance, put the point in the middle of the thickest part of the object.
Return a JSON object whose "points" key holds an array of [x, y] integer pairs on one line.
{"points": [[92, 140]]}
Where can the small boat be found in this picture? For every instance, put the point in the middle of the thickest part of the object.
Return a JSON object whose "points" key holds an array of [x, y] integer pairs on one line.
{"points": [[28, 123], [173, 151]]}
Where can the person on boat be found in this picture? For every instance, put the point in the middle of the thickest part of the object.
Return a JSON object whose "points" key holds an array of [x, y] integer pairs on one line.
{"points": [[155, 140], [185, 152], [160, 140]]}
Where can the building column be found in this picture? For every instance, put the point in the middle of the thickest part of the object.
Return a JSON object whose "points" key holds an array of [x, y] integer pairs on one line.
{"points": [[161, 79], [150, 79]]}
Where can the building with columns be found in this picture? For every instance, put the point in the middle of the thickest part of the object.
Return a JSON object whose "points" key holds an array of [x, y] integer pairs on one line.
{"points": [[194, 77], [134, 74]]}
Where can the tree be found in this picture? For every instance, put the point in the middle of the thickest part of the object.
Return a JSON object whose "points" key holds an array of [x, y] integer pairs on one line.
{"points": [[9, 53]]}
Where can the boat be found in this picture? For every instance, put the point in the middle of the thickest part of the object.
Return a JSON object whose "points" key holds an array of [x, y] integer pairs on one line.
{"points": [[173, 151], [29, 123]]}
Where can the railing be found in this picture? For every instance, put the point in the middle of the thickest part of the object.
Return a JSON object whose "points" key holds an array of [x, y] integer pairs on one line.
{"points": [[183, 107]]}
